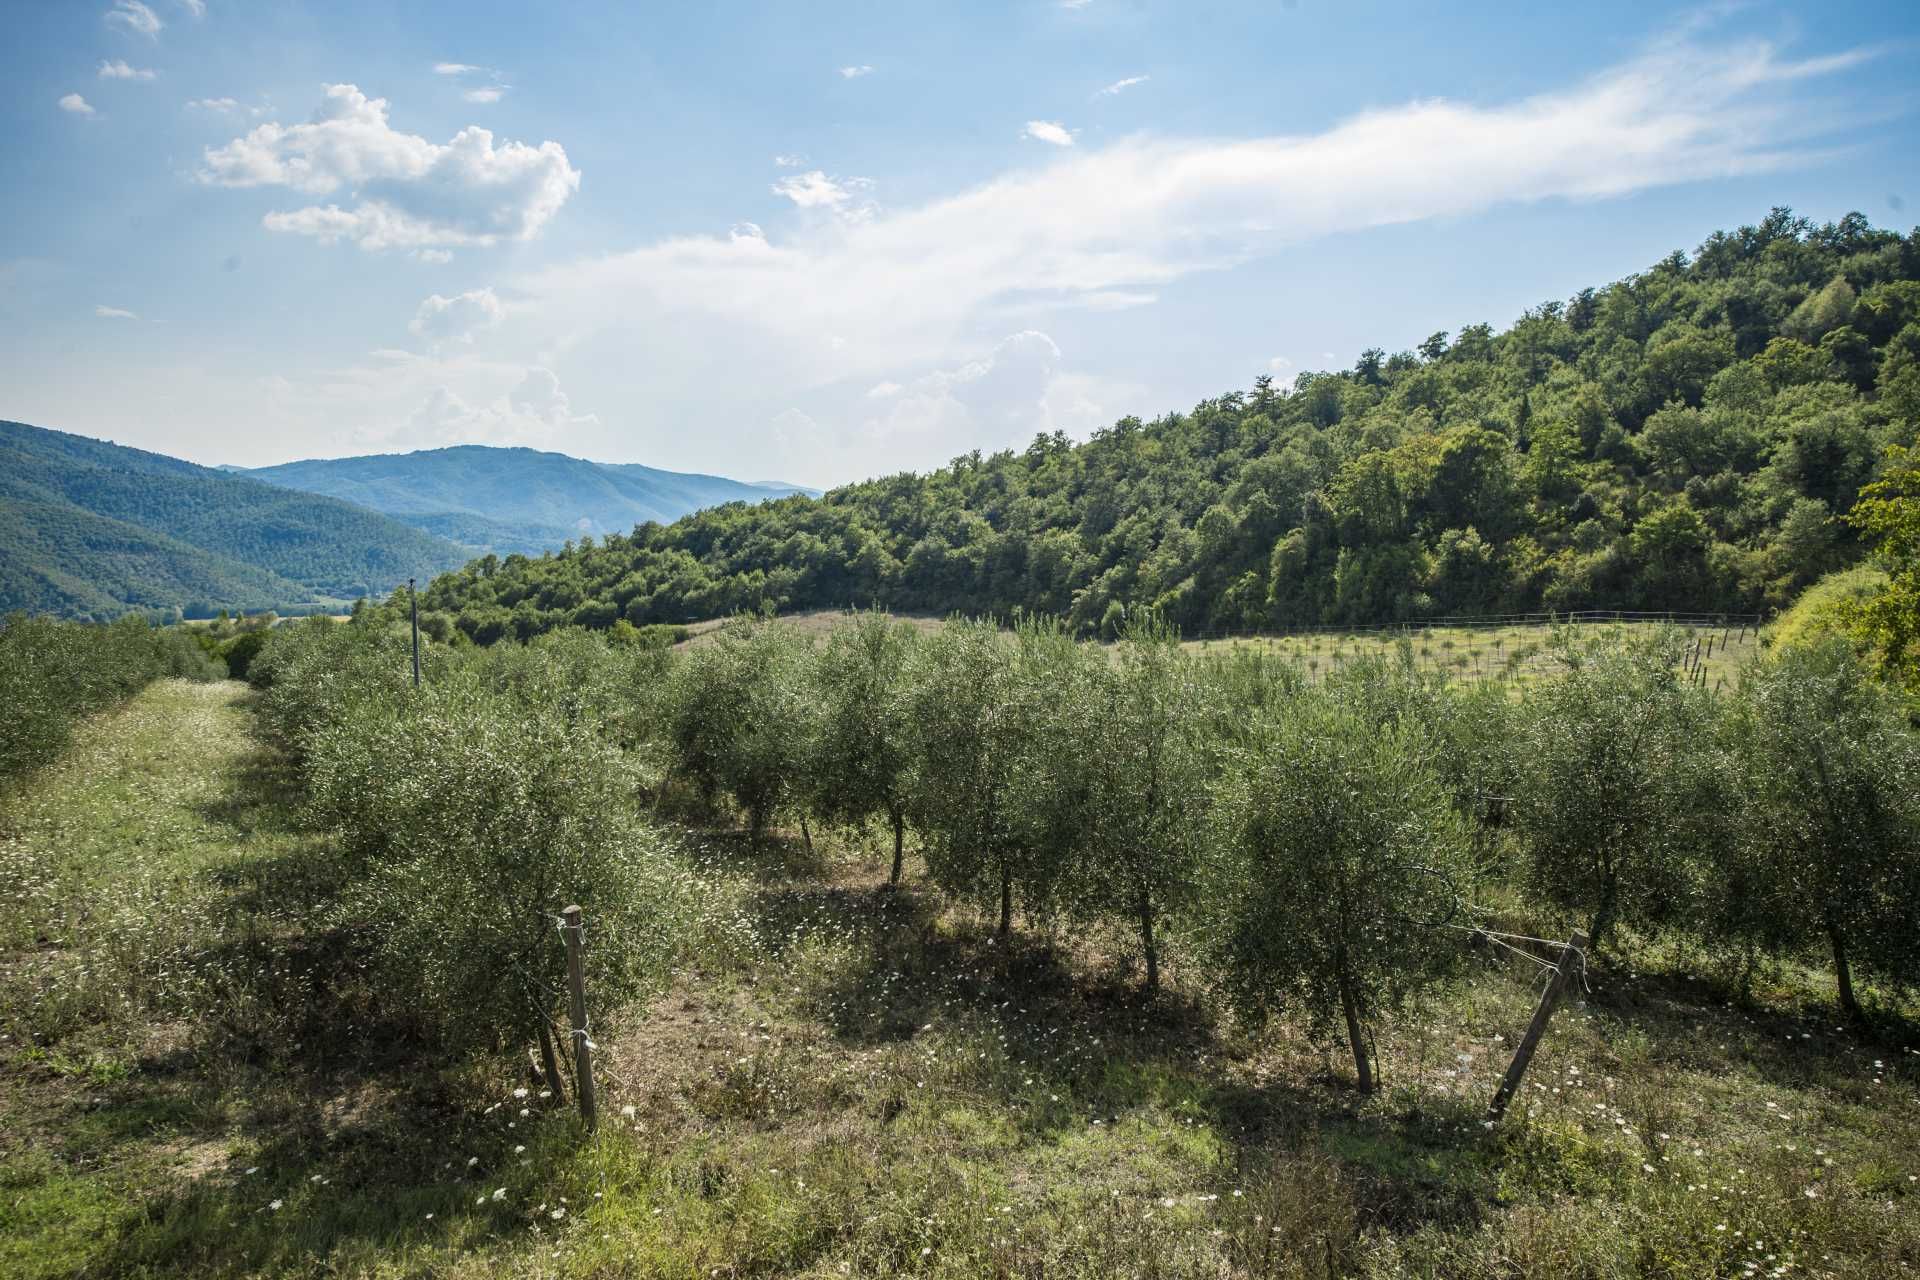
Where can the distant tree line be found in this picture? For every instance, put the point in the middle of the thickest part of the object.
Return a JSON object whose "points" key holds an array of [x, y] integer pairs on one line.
{"points": [[1685, 438]]}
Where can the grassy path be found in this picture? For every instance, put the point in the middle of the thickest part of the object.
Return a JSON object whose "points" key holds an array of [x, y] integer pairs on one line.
{"points": [[112, 860], [179, 1054]]}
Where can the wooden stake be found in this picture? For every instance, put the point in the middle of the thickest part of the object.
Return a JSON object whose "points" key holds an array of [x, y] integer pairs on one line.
{"points": [[1572, 956], [549, 1062], [582, 1045]]}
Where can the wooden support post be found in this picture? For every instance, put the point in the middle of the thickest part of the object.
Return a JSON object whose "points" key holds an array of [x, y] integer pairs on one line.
{"points": [[1572, 957], [549, 1061], [582, 1045]]}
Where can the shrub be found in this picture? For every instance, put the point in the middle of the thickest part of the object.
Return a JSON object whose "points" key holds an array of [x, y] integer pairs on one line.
{"points": [[1615, 797], [862, 747], [1332, 833], [737, 716], [985, 787], [54, 673], [1830, 800], [1144, 758], [488, 817]]}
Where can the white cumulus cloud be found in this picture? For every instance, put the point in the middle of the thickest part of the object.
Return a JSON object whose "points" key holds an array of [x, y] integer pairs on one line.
{"points": [[407, 192], [131, 15], [119, 69], [458, 318], [76, 104], [1049, 131], [536, 413]]}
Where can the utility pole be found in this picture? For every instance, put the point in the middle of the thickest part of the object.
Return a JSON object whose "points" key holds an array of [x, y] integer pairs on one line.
{"points": [[414, 600]]}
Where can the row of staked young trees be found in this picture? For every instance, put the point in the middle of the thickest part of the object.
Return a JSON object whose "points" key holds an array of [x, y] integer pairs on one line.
{"points": [[1308, 847], [1318, 846]]}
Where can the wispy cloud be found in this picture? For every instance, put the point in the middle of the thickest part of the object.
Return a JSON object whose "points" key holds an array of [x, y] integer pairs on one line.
{"points": [[195, 8], [76, 104], [118, 69], [832, 300], [815, 190], [789, 161], [213, 104], [854, 73], [1121, 86], [131, 15], [114, 313], [456, 69], [1051, 131], [492, 93]]}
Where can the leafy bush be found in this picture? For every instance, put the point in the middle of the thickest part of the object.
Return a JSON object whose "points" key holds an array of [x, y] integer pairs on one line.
{"points": [[737, 716], [863, 743], [984, 771], [1616, 797], [1829, 773], [55, 673], [488, 817], [1333, 834]]}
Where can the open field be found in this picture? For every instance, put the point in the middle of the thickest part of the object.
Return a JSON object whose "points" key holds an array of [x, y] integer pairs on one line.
{"points": [[844, 1079], [1515, 652]]}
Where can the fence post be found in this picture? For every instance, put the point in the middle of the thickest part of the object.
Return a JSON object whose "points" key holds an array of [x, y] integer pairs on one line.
{"points": [[582, 1045], [1572, 956]]}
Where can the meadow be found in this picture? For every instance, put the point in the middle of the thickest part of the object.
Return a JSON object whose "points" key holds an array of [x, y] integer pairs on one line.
{"points": [[274, 955]]}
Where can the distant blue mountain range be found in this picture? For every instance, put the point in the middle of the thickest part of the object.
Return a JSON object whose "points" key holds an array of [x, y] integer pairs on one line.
{"points": [[508, 500]]}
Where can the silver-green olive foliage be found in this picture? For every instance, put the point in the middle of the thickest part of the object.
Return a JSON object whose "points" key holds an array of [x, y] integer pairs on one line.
{"points": [[1827, 852], [1335, 860]]}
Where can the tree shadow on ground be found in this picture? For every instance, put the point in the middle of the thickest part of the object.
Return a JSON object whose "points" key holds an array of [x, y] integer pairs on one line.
{"points": [[1087, 1032]]}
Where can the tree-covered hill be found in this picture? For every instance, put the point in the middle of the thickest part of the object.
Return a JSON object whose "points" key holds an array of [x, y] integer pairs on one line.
{"points": [[513, 500], [88, 527], [1683, 438]]}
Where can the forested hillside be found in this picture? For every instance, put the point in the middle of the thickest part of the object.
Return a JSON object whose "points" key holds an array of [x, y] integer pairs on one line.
{"points": [[1683, 438], [88, 527], [513, 500]]}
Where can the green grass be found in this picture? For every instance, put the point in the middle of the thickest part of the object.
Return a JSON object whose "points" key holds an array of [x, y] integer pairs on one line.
{"points": [[1515, 654], [847, 1080]]}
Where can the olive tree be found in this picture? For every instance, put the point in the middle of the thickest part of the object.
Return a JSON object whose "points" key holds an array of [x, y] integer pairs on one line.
{"points": [[1614, 796], [737, 717], [488, 816], [1829, 773], [1143, 749], [987, 790], [1333, 842], [863, 743]]}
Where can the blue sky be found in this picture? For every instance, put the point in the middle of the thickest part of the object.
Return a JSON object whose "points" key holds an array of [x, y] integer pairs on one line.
{"points": [[818, 243]]}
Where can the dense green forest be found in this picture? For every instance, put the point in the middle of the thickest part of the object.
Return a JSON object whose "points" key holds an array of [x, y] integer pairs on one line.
{"points": [[88, 527], [1684, 438]]}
